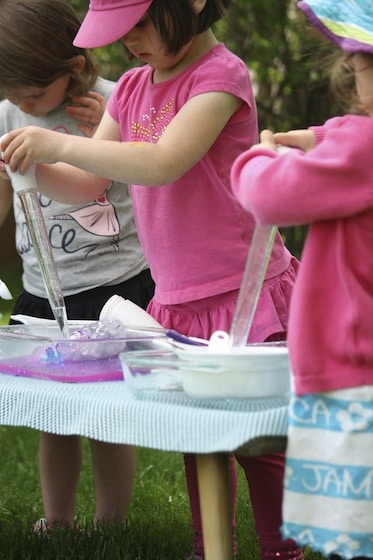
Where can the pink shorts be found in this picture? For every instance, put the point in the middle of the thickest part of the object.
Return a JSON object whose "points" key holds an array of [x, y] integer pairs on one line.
{"points": [[202, 317]]}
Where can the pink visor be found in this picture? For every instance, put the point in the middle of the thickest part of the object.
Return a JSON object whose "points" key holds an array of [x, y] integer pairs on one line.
{"points": [[108, 20]]}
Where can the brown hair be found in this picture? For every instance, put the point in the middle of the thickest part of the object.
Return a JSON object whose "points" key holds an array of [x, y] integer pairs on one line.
{"points": [[36, 46], [177, 23]]}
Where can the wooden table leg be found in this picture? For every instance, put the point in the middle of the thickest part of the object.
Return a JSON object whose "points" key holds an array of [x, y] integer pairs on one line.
{"points": [[215, 503]]}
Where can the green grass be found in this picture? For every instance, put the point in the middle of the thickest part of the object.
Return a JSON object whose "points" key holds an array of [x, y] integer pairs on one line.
{"points": [[158, 526]]}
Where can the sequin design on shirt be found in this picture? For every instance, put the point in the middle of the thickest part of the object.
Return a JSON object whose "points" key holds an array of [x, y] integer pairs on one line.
{"points": [[153, 124]]}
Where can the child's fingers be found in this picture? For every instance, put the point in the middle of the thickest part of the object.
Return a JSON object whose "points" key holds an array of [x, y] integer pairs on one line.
{"points": [[303, 139], [266, 136], [97, 97], [290, 138], [88, 109], [80, 113], [3, 173], [267, 140]]}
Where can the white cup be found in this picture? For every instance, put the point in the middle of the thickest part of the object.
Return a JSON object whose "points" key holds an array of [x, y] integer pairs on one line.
{"points": [[21, 183], [130, 314]]}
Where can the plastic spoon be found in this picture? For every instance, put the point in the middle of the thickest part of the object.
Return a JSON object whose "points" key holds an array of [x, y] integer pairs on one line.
{"points": [[25, 187], [251, 285]]}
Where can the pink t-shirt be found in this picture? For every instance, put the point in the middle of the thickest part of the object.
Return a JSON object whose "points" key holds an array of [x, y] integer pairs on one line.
{"points": [[194, 233]]}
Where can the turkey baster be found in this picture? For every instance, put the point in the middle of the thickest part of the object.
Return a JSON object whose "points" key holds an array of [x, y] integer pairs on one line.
{"points": [[25, 188]]}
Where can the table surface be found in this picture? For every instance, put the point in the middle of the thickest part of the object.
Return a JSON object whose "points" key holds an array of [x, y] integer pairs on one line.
{"points": [[164, 420]]}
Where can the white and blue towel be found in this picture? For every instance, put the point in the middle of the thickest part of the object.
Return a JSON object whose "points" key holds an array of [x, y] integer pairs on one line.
{"points": [[328, 494]]}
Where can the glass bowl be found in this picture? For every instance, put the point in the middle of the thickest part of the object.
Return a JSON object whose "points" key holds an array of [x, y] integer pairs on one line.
{"points": [[255, 371], [90, 354]]}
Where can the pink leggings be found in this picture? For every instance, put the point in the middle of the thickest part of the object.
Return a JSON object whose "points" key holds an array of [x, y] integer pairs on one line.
{"points": [[264, 475]]}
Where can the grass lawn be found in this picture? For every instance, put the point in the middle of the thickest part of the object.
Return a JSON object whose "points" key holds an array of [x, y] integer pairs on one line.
{"points": [[158, 526]]}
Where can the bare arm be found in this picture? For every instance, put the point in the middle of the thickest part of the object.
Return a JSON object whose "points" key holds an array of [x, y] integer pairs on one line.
{"points": [[185, 141]]}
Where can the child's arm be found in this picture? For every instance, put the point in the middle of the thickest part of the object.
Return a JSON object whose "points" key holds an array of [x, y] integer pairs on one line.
{"points": [[88, 110], [332, 180], [186, 140]]}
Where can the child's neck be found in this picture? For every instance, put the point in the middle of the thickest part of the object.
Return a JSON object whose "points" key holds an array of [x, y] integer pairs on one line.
{"points": [[198, 47]]}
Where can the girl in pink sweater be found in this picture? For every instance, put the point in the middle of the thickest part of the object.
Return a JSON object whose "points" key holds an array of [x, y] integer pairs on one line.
{"points": [[327, 182], [172, 129]]}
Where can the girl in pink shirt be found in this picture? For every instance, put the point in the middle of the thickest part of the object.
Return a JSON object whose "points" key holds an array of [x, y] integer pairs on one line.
{"points": [[327, 181], [172, 130]]}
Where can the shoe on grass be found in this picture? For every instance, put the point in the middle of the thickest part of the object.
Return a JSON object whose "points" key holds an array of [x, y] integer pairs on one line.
{"points": [[41, 526]]}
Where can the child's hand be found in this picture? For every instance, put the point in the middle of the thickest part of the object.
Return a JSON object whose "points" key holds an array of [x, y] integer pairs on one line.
{"points": [[24, 146], [302, 139], [89, 110], [3, 174], [266, 140]]}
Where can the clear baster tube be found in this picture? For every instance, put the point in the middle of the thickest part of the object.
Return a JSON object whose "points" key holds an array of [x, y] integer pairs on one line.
{"points": [[251, 285], [254, 274], [25, 187], [36, 225]]}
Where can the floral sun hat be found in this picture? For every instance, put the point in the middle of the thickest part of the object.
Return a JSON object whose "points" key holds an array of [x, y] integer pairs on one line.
{"points": [[348, 23]]}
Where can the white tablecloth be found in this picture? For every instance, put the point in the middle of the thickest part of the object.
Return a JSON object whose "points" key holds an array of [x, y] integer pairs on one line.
{"points": [[164, 420]]}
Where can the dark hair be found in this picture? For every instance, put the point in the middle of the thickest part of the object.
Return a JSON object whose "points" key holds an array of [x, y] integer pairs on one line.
{"points": [[36, 46], [177, 23]]}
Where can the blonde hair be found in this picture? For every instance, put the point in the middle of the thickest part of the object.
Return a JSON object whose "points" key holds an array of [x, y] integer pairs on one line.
{"points": [[37, 46], [343, 85]]}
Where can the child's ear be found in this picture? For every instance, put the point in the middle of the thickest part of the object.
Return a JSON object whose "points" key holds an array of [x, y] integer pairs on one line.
{"points": [[198, 5], [78, 63]]}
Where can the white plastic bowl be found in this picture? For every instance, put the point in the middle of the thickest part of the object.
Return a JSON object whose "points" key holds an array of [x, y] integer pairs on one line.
{"points": [[251, 372], [256, 371]]}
